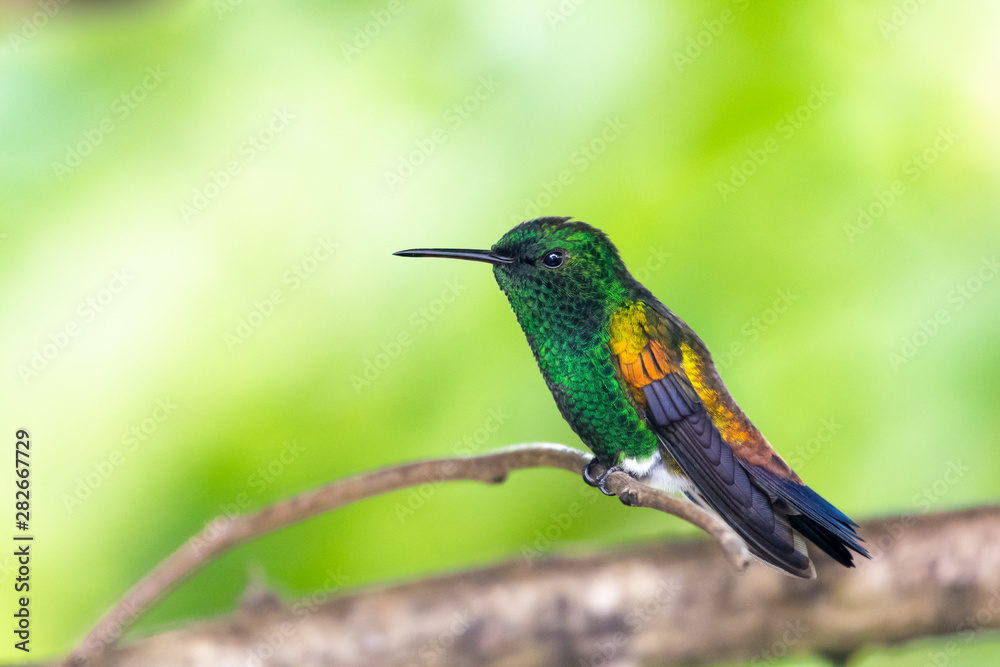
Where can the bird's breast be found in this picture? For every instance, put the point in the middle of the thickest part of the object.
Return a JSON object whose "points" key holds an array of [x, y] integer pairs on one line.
{"points": [[583, 380]]}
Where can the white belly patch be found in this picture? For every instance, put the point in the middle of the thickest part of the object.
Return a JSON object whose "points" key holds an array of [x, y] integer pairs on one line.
{"points": [[652, 471]]}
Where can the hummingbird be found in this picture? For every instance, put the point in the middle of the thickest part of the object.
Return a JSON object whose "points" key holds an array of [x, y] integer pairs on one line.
{"points": [[640, 389]]}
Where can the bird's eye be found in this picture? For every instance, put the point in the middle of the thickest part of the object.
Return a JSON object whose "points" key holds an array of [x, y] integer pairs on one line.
{"points": [[553, 259]]}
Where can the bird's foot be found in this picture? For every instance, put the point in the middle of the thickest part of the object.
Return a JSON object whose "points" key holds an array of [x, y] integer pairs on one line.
{"points": [[596, 474], [592, 471]]}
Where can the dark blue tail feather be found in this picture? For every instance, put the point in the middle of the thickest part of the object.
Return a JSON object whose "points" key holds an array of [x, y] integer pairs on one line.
{"points": [[816, 519]]}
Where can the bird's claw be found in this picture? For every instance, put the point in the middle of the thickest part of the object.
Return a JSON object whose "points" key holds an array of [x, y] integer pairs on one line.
{"points": [[596, 474], [592, 471]]}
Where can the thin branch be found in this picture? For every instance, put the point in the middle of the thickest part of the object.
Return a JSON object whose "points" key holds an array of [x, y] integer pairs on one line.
{"points": [[226, 533]]}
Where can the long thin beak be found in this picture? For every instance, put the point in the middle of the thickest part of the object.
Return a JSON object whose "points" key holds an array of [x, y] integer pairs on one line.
{"points": [[487, 256]]}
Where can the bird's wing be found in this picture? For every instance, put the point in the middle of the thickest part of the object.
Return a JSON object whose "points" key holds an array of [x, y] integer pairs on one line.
{"points": [[652, 367]]}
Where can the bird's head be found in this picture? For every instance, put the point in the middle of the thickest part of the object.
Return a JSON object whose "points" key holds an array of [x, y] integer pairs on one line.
{"points": [[556, 272]]}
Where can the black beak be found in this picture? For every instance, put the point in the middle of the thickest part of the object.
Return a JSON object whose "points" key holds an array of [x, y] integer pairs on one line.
{"points": [[487, 256]]}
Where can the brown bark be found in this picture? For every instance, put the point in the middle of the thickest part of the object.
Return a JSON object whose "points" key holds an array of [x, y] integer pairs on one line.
{"points": [[676, 603], [226, 533]]}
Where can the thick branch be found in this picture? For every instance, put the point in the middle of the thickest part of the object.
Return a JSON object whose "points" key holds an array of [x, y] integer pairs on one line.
{"points": [[678, 603], [225, 533]]}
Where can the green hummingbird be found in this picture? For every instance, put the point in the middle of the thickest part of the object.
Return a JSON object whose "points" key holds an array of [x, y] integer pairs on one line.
{"points": [[642, 392]]}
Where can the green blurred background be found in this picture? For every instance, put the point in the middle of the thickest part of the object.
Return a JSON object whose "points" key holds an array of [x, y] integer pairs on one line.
{"points": [[200, 309]]}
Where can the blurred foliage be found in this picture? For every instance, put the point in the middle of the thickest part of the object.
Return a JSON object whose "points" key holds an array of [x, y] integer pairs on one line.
{"points": [[175, 176]]}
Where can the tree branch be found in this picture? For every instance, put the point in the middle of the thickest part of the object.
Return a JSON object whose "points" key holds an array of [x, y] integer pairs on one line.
{"points": [[675, 603], [226, 533]]}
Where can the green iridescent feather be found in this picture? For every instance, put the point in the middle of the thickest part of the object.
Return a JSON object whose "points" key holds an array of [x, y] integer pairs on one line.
{"points": [[566, 321]]}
